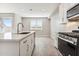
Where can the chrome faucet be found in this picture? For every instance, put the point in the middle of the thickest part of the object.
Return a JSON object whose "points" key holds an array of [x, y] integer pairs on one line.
{"points": [[18, 27]]}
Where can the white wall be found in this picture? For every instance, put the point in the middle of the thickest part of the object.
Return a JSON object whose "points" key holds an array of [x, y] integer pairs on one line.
{"points": [[45, 25], [54, 26], [17, 19]]}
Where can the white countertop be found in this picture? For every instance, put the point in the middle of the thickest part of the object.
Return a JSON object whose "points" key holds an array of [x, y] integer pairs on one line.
{"points": [[13, 36]]}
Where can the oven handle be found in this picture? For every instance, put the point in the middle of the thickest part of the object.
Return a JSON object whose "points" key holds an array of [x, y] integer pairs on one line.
{"points": [[74, 43]]}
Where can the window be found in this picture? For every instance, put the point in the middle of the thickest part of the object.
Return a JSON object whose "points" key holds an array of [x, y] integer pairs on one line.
{"points": [[36, 24], [6, 24]]}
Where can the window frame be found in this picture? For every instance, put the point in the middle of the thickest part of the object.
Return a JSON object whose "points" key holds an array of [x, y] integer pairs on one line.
{"points": [[36, 27]]}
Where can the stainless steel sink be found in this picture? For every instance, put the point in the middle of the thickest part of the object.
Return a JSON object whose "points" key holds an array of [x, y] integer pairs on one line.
{"points": [[24, 32]]}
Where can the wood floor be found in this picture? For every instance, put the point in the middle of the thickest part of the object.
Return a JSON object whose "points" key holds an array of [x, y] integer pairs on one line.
{"points": [[44, 47]]}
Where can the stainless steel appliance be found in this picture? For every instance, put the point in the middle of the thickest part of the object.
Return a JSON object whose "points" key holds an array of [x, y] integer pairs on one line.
{"points": [[68, 38], [68, 43], [73, 13]]}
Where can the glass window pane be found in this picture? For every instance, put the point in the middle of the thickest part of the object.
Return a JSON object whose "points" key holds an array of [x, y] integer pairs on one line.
{"points": [[36, 24], [7, 22], [39, 23], [33, 23]]}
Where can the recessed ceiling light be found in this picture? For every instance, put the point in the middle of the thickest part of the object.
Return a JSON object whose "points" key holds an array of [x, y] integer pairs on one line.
{"points": [[30, 9], [43, 9]]}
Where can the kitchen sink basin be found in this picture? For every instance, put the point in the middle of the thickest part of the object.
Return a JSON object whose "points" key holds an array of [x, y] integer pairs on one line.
{"points": [[24, 32]]}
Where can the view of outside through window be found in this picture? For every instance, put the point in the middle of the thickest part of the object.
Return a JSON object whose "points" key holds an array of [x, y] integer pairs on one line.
{"points": [[6, 24], [36, 24]]}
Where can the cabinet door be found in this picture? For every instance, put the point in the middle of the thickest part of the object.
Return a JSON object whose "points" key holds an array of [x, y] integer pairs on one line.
{"points": [[70, 5], [23, 48], [27, 45], [62, 13], [31, 44]]}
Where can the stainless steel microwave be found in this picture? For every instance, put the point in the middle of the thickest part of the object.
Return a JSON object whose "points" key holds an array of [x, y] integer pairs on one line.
{"points": [[73, 13]]}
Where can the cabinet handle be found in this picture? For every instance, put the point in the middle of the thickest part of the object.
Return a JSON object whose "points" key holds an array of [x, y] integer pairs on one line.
{"points": [[27, 47], [31, 41], [25, 41]]}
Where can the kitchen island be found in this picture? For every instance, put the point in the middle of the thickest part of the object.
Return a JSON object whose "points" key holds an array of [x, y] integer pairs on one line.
{"points": [[13, 44]]}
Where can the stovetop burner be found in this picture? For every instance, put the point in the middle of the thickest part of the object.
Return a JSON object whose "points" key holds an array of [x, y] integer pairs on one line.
{"points": [[69, 37], [71, 34]]}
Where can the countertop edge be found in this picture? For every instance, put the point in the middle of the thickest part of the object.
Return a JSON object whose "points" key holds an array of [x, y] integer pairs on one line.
{"points": [[17, 40]]}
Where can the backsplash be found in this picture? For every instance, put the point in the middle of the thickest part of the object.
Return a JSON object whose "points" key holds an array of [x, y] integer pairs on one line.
{"points": [[71, 26]]}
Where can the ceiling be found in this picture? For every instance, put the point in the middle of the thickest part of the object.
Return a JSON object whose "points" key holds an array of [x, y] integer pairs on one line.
{"points": [[29, 9]]}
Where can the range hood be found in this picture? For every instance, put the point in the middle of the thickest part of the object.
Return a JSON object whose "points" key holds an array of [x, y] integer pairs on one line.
{"points": [[73, 13]]}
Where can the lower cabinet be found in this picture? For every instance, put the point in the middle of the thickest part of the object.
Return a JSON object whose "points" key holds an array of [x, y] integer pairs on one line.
{"points": [[23, 48], [66, 48], [26, 46]]}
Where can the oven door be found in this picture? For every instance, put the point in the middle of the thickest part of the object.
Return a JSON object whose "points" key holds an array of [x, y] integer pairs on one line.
{"points": [[66, 48]]}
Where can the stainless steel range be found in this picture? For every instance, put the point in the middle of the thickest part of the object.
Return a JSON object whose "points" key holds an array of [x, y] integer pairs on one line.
{"points": [[69, 37], [68, 43]]}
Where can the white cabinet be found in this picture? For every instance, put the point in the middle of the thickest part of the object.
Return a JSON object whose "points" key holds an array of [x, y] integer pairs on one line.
{"points": [[62, 13], [27, 45], [29, 49], [70, 5], [23, 47], [32, 43]]}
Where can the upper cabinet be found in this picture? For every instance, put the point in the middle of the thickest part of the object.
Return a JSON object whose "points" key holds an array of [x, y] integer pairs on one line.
{"points": [[62, 13], [70, 5], [63, 7]]}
